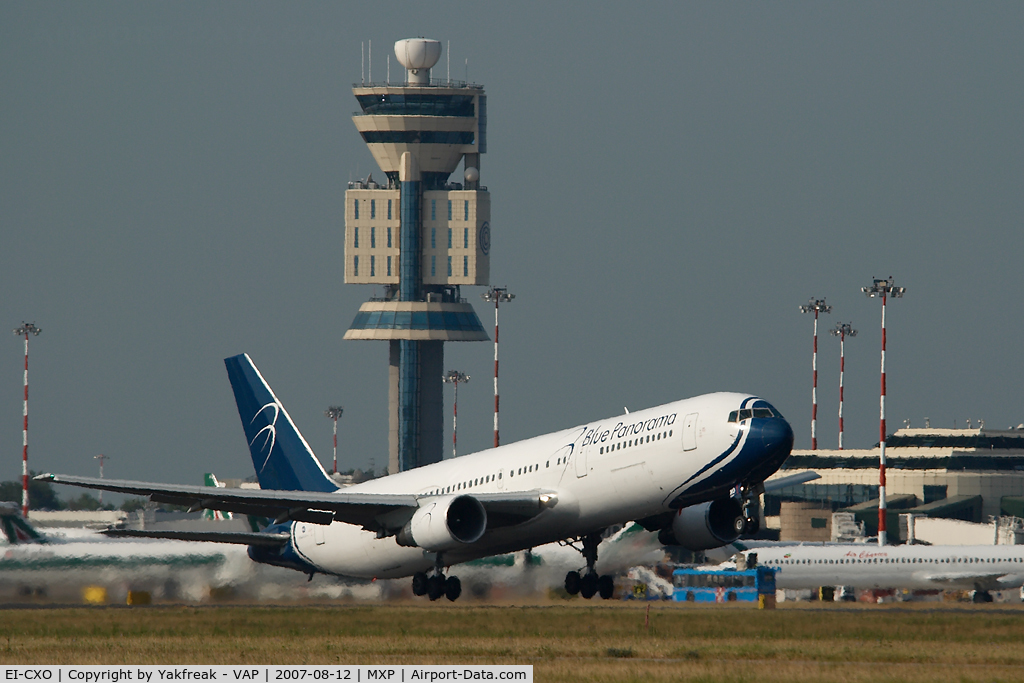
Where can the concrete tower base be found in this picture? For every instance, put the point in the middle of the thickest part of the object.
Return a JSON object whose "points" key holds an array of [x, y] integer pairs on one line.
{"points": [[431, 405]]}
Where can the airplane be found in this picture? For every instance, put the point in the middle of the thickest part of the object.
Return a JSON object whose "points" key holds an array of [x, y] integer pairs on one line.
{"points": [[981, 568], [63, 564], [672, 468], [59, 564]]}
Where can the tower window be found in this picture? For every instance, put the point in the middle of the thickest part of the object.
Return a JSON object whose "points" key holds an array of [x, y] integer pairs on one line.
{"points": [[355, 266], [389, 209], [355, 237], [389, 266], [355, 203], [449, 209], [389, 238], [373, 238], [433, 238], [466, 207], [449, 266], [433, 265], [373, 266], [449, 238], [465, 266], [465, 238], [373, 208], [433, 209]]}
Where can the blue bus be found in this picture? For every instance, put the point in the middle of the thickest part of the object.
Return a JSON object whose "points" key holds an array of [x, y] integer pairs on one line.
{"points": [[694, 584]]}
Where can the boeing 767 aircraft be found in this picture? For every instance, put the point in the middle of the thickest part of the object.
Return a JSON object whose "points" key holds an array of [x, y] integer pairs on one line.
{"points": [[691, 469]]}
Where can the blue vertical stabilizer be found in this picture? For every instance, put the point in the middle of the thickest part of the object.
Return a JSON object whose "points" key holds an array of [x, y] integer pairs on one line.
{"points": [[282, 458]]}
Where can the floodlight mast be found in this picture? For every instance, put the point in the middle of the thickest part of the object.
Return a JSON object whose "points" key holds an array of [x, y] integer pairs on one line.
{"points": [[815, 306], [883, 289], [842, 330], [455, 377], [334, 412], [497, 295], [25, 329], [101, 458]]}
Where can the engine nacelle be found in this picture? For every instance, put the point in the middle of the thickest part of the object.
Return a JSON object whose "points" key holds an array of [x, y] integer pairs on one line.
{"points": [[445, 523], [709, 525]]}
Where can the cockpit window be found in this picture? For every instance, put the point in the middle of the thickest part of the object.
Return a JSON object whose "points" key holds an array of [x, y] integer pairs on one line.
{"points": [[747, 413]]}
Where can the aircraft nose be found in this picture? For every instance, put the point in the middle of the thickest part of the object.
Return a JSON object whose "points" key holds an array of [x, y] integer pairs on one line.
{"points": [[776, 435]]}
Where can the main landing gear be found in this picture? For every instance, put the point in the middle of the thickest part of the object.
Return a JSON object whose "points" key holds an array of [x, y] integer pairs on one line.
{"points": [[436, 584], [590, 584]]}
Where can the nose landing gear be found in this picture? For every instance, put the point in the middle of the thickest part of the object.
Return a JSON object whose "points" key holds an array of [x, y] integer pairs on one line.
{"points": [[751, 509], [589, 584]]}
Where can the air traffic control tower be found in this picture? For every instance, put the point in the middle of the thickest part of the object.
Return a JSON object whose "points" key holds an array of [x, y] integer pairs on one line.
{"points": [[419, 236]]}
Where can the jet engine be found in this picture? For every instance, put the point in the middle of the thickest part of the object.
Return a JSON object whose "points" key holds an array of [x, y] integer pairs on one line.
{"points": [[445, 523], [704, 526]]}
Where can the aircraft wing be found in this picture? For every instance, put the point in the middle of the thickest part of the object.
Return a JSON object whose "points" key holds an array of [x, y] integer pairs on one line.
{"points": [[372, 511], [255, 538], [791, 480], [981, 580]]}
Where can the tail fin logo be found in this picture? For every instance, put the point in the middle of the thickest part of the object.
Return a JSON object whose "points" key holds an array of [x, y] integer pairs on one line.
{"points": [[269, 431]]}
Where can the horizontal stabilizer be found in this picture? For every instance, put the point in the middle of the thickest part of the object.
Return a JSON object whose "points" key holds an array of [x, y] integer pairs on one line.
{"points": [[268, 539]]}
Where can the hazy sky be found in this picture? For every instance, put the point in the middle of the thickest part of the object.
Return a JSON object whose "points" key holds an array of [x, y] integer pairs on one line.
{"points": [[669, 182]]}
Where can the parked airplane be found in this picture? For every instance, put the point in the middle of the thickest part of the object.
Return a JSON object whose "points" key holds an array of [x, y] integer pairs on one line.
{"points": [[571, 484], [981, 568], [61, 563]]}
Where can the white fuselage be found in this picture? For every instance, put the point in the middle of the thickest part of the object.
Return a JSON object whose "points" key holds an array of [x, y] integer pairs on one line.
{"points": [[603, 473], [986, 567]]}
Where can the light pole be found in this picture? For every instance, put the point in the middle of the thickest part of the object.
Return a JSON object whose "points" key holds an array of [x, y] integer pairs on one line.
{"points": [[883, 289], [25, 329], [842, 330], [334, 412], [497, 295], [101, 458], [815, 306], [455, 377]]}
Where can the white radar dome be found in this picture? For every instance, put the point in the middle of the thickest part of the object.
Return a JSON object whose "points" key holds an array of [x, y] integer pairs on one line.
{"points": [[416, 54], [472, 175]]}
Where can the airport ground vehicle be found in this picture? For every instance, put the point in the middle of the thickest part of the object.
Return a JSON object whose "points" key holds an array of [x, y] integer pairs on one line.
{"points": [[694, 584]]}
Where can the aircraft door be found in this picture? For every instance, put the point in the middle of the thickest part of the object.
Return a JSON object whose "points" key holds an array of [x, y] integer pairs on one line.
{"points": [[581, 462], [501, 479], [690, 432]]}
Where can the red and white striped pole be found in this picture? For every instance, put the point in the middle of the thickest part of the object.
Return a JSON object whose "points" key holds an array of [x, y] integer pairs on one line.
{"points": [[454, 377], [25, 329], [334, 412], [497, 295], [815, 306], [884, 289], [842, 330], [497, 440]]}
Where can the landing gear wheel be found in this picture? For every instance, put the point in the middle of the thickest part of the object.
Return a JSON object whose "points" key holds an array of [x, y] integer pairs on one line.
{"points": [[739, 524], [588, 586], [419, 583], [572, 583], [452, 588], [751, 526], [606, 586], [435, 587]]}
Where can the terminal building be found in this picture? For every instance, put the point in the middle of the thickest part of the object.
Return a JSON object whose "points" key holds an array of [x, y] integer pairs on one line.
{"points": [[420, 237], [967, 474]]}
